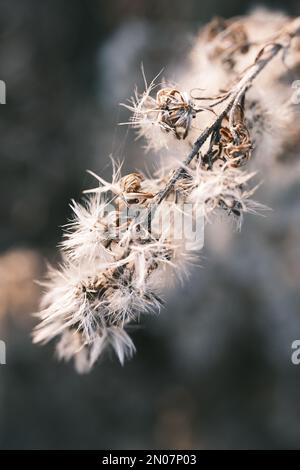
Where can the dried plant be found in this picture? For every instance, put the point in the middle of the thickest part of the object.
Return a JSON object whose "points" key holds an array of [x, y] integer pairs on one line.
{"points": [[123, 242]]}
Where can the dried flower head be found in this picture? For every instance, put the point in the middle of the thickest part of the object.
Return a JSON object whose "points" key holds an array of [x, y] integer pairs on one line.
{"points": [[176, 111], [171, 110], [230, 143]]}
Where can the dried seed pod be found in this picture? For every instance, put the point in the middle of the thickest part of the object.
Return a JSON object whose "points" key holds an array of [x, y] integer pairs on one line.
{"points": [[131, 183], [231, 143], [131, 190], [176, 111], [235, 139]]}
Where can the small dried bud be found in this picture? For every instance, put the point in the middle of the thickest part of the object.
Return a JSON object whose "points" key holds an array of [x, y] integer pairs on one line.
{"points": [[236, 151], [131, 183], [131, 187], [235, 140], [231, 144]]}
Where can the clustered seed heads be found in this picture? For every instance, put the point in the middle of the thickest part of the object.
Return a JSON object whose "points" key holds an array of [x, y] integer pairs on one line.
{"points": [[126, 242]]}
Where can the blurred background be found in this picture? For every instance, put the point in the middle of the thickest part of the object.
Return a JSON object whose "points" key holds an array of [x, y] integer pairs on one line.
{"points": [[214, 370]]}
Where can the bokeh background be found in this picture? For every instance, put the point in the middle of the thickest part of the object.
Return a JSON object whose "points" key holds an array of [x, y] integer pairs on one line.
{"points": [[214, 370]]}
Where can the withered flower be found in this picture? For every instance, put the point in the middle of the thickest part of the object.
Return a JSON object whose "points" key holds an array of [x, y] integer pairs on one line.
{"points": [[235, 142], [172, 111], [176, 111], [231, 143]]}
